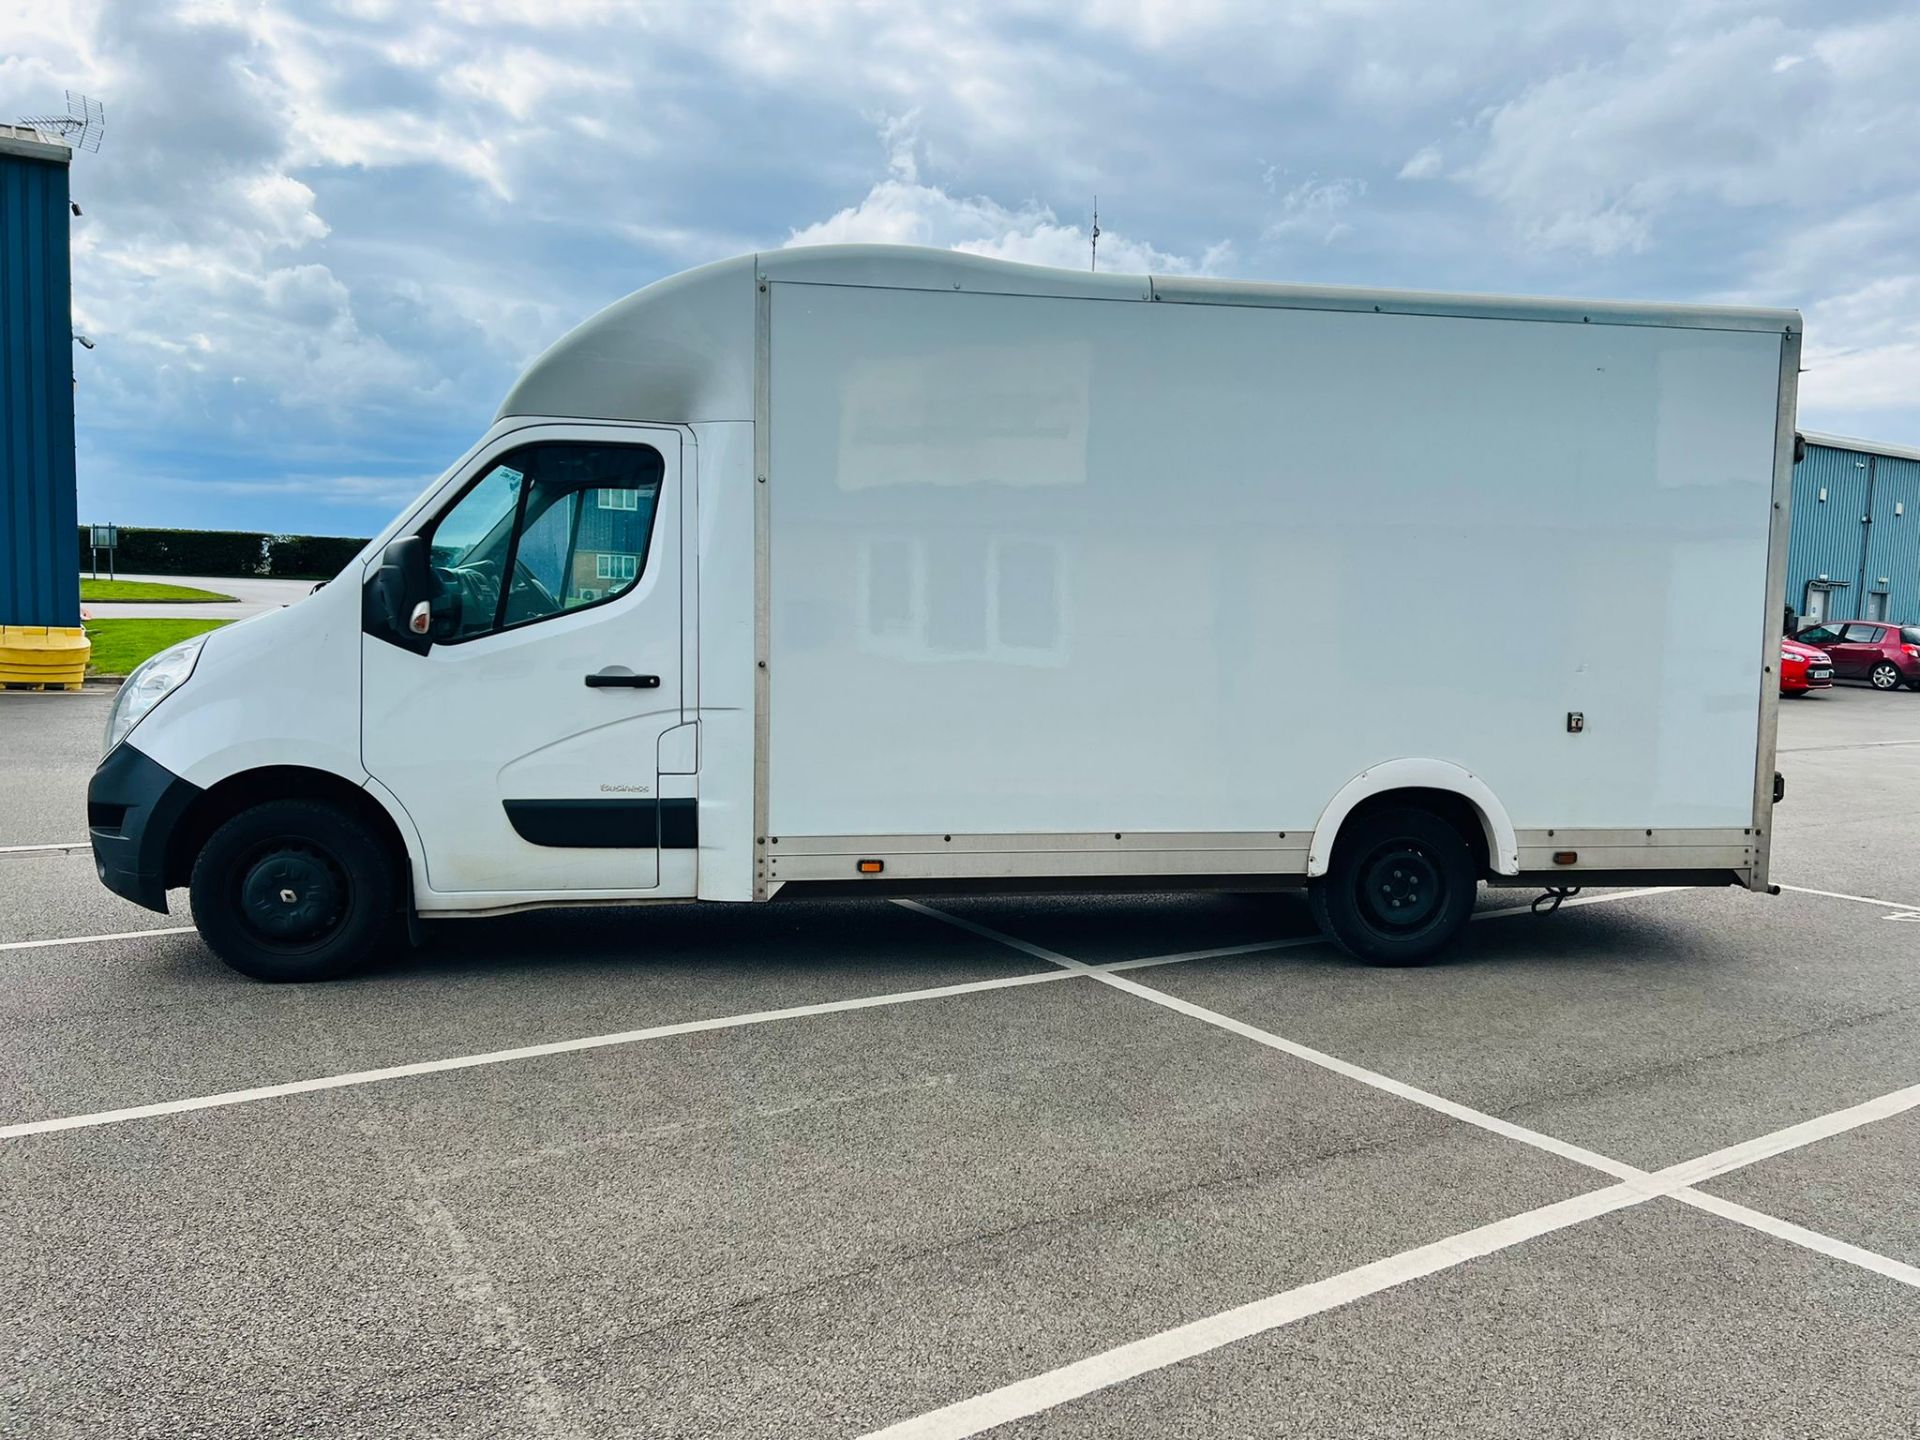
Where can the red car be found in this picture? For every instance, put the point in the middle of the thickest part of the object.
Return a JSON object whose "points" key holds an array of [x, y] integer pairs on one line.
{"points": [[1804, 668], [1886, 656]]}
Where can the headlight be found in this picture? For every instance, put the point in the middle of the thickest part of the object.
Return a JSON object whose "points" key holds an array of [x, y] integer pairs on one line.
{"points": [[148, 685]]}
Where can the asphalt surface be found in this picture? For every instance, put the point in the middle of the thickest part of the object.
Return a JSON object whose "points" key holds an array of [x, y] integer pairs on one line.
{"points": [[830, 1223]]}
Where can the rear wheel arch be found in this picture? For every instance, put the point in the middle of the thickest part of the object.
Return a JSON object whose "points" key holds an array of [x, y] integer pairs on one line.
{"points": [[1441, 787]]}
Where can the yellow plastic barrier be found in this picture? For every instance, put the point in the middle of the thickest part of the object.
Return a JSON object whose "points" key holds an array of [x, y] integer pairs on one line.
{"points": [[44, 656]]}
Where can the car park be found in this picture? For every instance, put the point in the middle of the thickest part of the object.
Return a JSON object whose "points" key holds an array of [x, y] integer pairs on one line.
{"points": [[1804, 668], [1885, 655]]}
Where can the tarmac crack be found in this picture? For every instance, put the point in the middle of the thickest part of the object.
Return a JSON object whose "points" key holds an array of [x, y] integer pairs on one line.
{"points": [[1115, 1207], [692, 1126], [1634, 1078]]}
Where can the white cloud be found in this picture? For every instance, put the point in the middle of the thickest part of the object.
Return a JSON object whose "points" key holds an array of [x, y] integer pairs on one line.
{"points": [[900, 210], [1423, 164], [1863, 348], [1594, 156], [1317, 209], [336, 227]]}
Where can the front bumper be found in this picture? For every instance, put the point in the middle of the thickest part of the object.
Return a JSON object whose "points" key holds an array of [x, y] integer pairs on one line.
{"points": [[134, 805], [1806, 677]]}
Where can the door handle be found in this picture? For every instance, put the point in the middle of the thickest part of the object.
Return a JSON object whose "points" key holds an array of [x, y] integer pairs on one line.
{"points": [[614, 679]]}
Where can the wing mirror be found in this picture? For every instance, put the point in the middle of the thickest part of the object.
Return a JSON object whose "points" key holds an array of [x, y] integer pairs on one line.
{"points": [[401, 596]]}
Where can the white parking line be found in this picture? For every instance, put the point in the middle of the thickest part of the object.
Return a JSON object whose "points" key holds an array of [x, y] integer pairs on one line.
{"points": [[521, 1052], [1696, 1171], [1860, 899], [1400, 1089], [1184, 1342], [91, 939], [1799, 1235], [1279, 1310], [31, 849], [1822, 1127], [1224, 952], [1155, 1352], [1068, 968]]}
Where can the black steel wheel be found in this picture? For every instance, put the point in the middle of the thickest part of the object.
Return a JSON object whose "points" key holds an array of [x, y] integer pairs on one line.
{"points": [[1399, 889], [295, 890]]}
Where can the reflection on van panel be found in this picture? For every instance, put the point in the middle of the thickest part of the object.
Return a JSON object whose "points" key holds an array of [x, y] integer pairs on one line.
{"points": [[969, 599]]}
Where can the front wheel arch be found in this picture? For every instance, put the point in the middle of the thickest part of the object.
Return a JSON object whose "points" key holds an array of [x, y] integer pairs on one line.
{"points": [[224, 799]]}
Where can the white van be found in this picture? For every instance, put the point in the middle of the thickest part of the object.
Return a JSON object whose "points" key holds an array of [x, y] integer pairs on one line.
{"points": [[875, 571]]}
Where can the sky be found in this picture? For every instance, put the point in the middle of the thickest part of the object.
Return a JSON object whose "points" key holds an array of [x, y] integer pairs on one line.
{"points": [[320, 239]]}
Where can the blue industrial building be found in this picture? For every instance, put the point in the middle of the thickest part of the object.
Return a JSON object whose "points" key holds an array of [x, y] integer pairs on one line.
{"points": [[1855, 547], [39, 565]]}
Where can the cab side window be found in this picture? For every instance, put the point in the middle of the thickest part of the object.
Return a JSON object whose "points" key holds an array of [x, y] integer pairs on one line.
{"points": [[549, 528]]}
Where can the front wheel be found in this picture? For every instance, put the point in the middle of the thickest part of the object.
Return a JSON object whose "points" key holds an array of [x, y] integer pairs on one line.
{"points": [[294, 890], [1400, 887], [1885, 676]]}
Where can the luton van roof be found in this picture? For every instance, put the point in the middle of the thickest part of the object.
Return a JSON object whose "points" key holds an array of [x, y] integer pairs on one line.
{"points": [[682, 349]]}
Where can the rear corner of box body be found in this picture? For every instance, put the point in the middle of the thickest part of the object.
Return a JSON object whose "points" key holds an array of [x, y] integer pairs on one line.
{"points": [[1779, 531]]}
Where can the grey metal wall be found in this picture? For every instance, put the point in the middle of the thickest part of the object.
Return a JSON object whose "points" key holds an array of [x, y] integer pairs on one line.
{"points": [[1856, 527], [1893, 539], [39, 566]]}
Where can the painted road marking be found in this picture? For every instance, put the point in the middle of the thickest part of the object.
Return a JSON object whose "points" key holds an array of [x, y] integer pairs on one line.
{"points": [[35, 849], [521, 1052], [1155, 1352], [1695, 1171], [1068, 968], [1450, 1108], [1857, 899], [90, 939]]}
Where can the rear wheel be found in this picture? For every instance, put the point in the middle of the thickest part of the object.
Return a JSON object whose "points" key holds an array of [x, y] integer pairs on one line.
{"points": [[1885, 676], [295, 890], [1399, 889]]}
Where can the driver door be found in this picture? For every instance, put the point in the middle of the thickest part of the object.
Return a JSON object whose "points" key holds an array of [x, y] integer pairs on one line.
{"points": [[523, 740]]}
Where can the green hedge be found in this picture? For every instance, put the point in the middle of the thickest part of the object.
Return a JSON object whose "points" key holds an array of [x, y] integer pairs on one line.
{"points": [[145, 551]]}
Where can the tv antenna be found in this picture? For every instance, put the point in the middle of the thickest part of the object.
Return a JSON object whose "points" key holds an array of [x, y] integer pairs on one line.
{"points": [[81, 127], [1093, 261]]}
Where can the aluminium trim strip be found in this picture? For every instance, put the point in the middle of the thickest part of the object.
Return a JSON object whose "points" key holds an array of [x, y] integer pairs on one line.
{"points": [[762, 569], [1781, 518]]}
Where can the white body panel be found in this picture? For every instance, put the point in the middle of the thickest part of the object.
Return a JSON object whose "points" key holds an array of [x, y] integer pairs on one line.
{"points": [[997, 572], [1055, 565], [280, 689]]}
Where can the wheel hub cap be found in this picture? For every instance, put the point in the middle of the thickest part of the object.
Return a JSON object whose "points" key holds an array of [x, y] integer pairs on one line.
{"points": [[1401, 888], [290, 895]]}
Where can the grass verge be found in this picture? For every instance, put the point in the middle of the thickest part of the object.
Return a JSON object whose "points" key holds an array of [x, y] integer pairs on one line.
{"points": [[147, 590], [119, 645]]}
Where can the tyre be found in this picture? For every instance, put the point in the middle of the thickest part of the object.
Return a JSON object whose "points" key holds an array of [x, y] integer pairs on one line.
{"points": [[295, 890], [1885, 676], [1400, 887]]}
